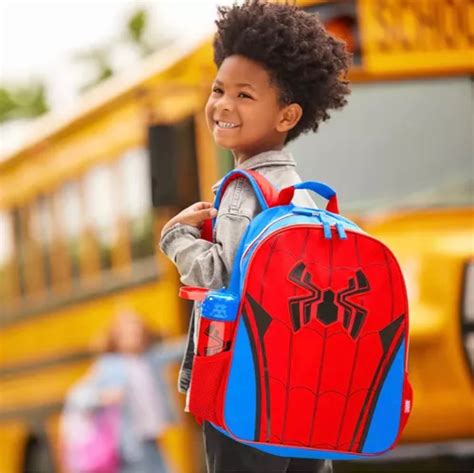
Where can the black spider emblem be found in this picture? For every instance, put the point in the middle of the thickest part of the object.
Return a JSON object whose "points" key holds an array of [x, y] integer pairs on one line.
{"points": [[324, 305]]}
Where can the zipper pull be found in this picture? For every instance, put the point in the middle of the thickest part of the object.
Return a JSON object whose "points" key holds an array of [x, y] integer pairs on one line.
{"points": [[326, 226], [341, 231]]}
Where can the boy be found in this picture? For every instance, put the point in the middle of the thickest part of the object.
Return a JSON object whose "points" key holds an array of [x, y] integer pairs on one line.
{"points": [[279, 74]]}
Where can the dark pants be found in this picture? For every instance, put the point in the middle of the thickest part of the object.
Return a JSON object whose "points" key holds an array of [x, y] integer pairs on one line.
{"points": [[224, 454]]}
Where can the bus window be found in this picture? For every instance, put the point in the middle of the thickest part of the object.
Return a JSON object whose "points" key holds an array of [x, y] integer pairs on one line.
{"points": [[136, 202], [6, 261], [71, 218], [20, 249], [173, 165], [30, 254], [42, 226], [425, 163], [100, 210]]}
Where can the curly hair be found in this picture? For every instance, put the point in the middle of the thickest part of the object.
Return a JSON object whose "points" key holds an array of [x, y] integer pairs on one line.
{"points": [[306, 64]]}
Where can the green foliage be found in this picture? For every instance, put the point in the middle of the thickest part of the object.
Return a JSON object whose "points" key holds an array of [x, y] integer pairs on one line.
{"points": [[135, 34], [24, 101], [137, 24], [136, 31], [100, 59], [30, 101]]}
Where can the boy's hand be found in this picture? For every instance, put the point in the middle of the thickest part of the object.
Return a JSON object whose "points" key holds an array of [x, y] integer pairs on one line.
{"points": [[194, 215]]}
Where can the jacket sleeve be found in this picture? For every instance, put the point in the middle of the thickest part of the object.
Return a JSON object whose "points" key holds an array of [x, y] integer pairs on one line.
{"points": [[82, 397], [168, 351], [105, 373], [203, 263], [85, 394]]}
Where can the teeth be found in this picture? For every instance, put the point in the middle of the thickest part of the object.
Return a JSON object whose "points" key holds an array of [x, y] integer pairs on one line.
{"points": [[226, 125]]}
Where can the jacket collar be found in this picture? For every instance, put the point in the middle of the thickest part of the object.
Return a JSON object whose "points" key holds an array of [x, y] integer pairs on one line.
{"points": [[267, 158]]}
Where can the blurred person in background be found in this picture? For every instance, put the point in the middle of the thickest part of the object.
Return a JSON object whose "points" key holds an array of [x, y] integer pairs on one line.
{"points": [[127, 391]]}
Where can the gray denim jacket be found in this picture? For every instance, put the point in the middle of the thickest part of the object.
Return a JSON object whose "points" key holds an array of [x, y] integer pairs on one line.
{"points": [[209, 264]]}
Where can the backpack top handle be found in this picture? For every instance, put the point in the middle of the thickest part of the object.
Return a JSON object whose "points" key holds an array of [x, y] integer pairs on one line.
{"points": [[286, 195]]}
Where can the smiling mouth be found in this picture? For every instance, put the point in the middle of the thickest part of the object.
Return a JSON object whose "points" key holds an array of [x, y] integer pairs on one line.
{"points": [[225, 125]]}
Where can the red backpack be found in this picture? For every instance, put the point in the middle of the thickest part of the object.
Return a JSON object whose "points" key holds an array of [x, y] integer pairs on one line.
{"points": [[305, 353]]}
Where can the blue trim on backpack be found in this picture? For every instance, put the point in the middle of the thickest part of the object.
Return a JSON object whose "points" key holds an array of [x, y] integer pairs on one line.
{"points": [[255, 227], [381, 433], [298, 452], [241, 388]]}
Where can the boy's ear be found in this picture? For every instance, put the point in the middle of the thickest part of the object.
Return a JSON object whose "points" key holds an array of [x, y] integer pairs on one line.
{"points": [[289, 116]]}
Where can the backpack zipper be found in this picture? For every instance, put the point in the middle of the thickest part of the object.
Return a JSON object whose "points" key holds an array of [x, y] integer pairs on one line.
{"points": [[314, 212]]}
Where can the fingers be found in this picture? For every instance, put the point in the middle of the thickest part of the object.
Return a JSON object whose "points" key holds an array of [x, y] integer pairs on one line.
{"points": [[202, 205], [206, 213], [195, 215], [204, 210]]}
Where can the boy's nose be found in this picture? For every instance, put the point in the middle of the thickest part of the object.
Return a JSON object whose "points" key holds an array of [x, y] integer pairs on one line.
{"points": [[224, 104]]}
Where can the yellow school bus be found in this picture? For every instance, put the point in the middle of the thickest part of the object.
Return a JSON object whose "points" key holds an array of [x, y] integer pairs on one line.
{"points": [[401, 156], [81, 207], [83, 201]]}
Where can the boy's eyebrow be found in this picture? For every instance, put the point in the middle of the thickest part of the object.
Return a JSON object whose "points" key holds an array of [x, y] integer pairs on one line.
{"points": [[240, 84]]}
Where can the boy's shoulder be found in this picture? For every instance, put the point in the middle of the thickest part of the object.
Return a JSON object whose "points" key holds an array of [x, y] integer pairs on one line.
{"points": [[275, 160], [239, 197]]}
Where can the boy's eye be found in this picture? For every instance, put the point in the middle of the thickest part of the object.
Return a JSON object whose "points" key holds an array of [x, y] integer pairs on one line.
{"points": [[218, 90]]}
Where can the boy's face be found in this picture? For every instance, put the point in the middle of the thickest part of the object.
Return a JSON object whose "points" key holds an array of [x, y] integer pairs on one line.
{"points": [[242, 111]]}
